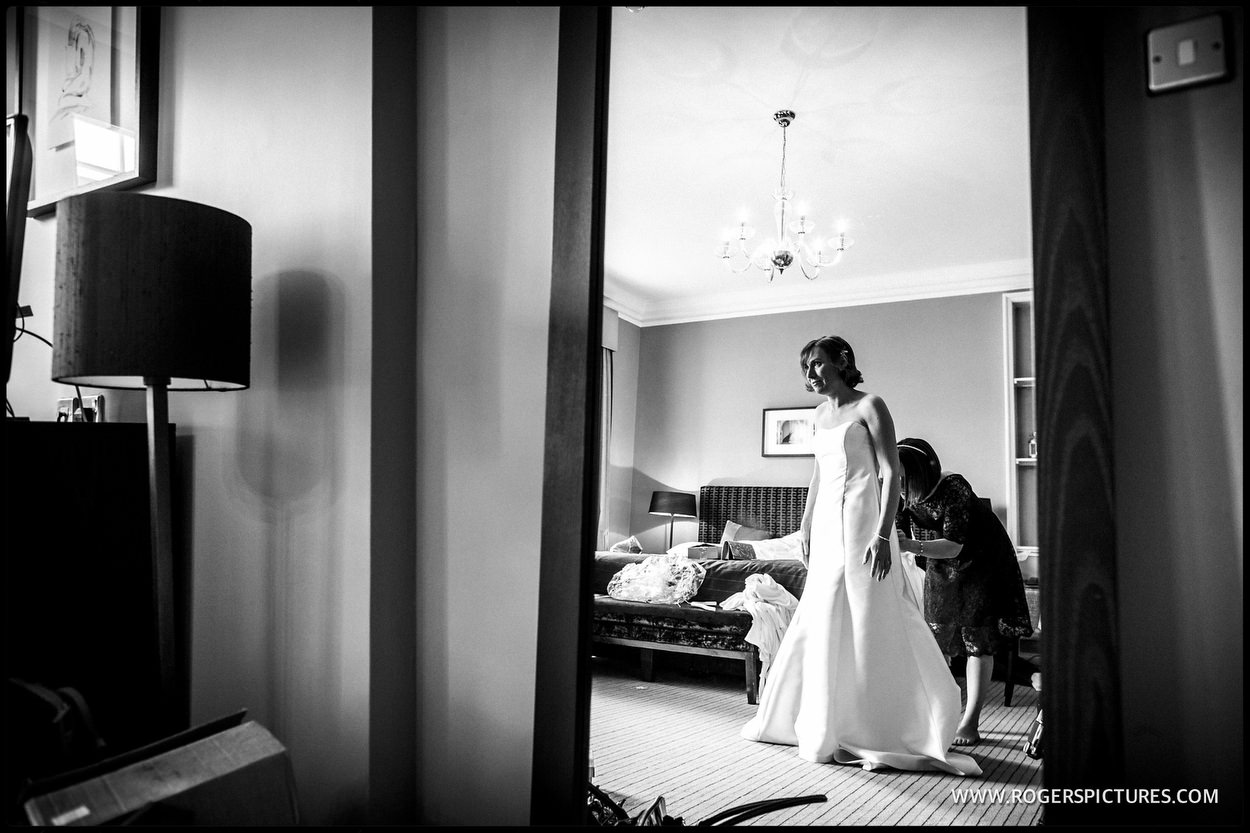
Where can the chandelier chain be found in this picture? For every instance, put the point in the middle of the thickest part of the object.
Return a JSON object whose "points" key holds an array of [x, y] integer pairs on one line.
{"points": [[783, 158]]}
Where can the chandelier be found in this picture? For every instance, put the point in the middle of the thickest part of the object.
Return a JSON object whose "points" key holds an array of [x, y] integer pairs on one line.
{"points": [[791, 244]]}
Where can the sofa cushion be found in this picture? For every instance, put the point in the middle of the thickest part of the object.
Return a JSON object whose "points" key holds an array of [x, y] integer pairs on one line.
{"points": [[738, 551], [789, 547], [740, 532], [608, 564], [630, 544], [724, 577]]}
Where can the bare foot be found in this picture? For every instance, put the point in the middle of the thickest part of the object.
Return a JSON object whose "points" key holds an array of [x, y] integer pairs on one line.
{"points": [[967, 736]]}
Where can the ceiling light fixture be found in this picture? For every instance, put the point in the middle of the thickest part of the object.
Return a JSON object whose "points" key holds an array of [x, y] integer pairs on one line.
{"points": [[791, 244]]}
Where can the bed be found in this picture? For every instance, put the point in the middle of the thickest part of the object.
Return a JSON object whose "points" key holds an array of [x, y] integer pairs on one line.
{"points": [[702, 626]]}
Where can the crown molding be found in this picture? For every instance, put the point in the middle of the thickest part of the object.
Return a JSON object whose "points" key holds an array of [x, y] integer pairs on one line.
{"points": [[628, 306], [836, 291]]}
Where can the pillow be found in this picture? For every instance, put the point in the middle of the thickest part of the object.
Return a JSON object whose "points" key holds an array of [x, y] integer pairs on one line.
{"points": [[608, 564], [660, 579], [789, 547], [738, 532], [739, 551], [630, 544]]}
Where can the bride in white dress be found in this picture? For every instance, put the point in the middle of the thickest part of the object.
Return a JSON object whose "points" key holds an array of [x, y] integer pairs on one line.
{"points": [[858, 677]]}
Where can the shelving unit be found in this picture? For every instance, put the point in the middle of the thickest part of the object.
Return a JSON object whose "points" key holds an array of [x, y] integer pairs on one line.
{"points": [[1021, 391]]}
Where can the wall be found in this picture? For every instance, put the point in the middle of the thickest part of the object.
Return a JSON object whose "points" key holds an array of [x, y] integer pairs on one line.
{"points": [[702, 388], [276, 478], [624, 431], [1175, 204], [485, 146]]}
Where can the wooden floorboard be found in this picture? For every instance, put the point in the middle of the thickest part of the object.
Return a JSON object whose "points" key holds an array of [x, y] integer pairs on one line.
{"points": [[677, 737]]}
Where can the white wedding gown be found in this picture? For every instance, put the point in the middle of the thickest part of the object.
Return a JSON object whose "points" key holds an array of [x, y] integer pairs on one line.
{"points": [[858, 677]]}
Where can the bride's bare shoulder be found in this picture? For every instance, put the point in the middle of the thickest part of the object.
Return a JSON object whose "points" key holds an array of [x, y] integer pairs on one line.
{"points": [[871, 403]]}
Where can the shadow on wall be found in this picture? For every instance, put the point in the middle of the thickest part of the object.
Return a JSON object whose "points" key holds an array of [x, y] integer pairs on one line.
{"points": [[289, 421], [288, 447]]}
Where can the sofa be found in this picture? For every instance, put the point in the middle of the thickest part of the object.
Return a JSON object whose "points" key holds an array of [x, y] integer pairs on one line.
{"points": [[699, 626], [702, 625]]}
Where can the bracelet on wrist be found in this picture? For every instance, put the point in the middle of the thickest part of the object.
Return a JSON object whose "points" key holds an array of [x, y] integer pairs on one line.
{"points": [[883, 538]]}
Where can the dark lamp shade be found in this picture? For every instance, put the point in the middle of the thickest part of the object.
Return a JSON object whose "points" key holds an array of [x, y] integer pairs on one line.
{"points": [[673, 503], [151, 287]]}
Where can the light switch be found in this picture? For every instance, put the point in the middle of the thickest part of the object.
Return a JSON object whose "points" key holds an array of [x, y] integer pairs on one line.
{"points": [[1187, 53]]}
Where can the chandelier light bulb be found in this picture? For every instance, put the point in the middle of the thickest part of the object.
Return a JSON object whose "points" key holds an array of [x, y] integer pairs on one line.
{"points": [[802, 225], [790, 244]]}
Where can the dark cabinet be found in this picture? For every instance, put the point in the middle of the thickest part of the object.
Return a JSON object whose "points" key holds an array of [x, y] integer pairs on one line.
{"points": [[79, 596]]}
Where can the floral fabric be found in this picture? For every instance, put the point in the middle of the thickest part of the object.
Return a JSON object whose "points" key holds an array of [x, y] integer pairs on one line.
{"points": [[974, 603], [658, 579]]}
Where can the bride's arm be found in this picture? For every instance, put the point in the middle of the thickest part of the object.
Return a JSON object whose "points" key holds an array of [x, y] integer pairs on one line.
{"points": [[805, 527], [885, 445]]}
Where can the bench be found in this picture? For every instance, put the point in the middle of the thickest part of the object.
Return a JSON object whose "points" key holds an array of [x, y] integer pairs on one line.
{"points": [[685, 628]]}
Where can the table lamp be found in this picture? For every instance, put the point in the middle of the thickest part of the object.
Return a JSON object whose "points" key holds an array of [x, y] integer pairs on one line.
{"points": [[153, 293], [673, 504]]}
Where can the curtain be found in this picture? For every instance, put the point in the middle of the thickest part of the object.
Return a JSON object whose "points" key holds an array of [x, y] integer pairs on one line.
{"points": [[605, 446]]}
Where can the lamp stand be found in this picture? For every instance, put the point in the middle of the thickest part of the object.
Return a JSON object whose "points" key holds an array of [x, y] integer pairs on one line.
{"points": [[670, 531], [160, 486]]}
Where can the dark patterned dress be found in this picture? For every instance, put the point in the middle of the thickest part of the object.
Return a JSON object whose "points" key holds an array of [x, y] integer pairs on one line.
{"points": [[974, 602]]}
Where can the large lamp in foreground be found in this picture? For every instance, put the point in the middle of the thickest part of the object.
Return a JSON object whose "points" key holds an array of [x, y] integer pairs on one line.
{"points": [[673, 504], [153, 293]]}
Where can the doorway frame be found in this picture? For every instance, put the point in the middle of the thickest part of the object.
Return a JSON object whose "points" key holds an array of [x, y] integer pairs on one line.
{"points": [[1080, 656], [570, 459]]}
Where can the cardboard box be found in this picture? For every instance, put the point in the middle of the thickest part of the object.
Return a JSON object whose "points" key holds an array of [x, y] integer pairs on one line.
{"points": [[238, 776]]}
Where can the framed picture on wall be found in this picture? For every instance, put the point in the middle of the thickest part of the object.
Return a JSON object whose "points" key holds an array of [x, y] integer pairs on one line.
{"points": [[788, 432], [88, 82]]}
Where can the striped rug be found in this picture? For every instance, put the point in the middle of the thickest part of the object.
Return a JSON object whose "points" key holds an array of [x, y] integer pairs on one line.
{"points": [[678, 738]]}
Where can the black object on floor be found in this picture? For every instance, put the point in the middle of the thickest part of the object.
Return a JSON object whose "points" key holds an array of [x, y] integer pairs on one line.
{"points": [[607, 813], [757, 808]]}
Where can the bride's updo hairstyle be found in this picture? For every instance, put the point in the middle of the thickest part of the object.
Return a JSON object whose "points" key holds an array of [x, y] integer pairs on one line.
{"points": [[835, 347]]}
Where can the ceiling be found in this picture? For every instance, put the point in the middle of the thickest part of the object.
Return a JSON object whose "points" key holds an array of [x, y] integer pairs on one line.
{"points": [[911, 128]]}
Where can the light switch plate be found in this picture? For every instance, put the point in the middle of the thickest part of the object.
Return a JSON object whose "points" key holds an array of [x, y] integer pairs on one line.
{"points": [[1183, 54]]}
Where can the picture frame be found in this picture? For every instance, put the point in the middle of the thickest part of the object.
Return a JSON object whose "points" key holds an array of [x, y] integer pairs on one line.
{"points": [[788, 432], [16, 190], [12, 62], [88, 80]]}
